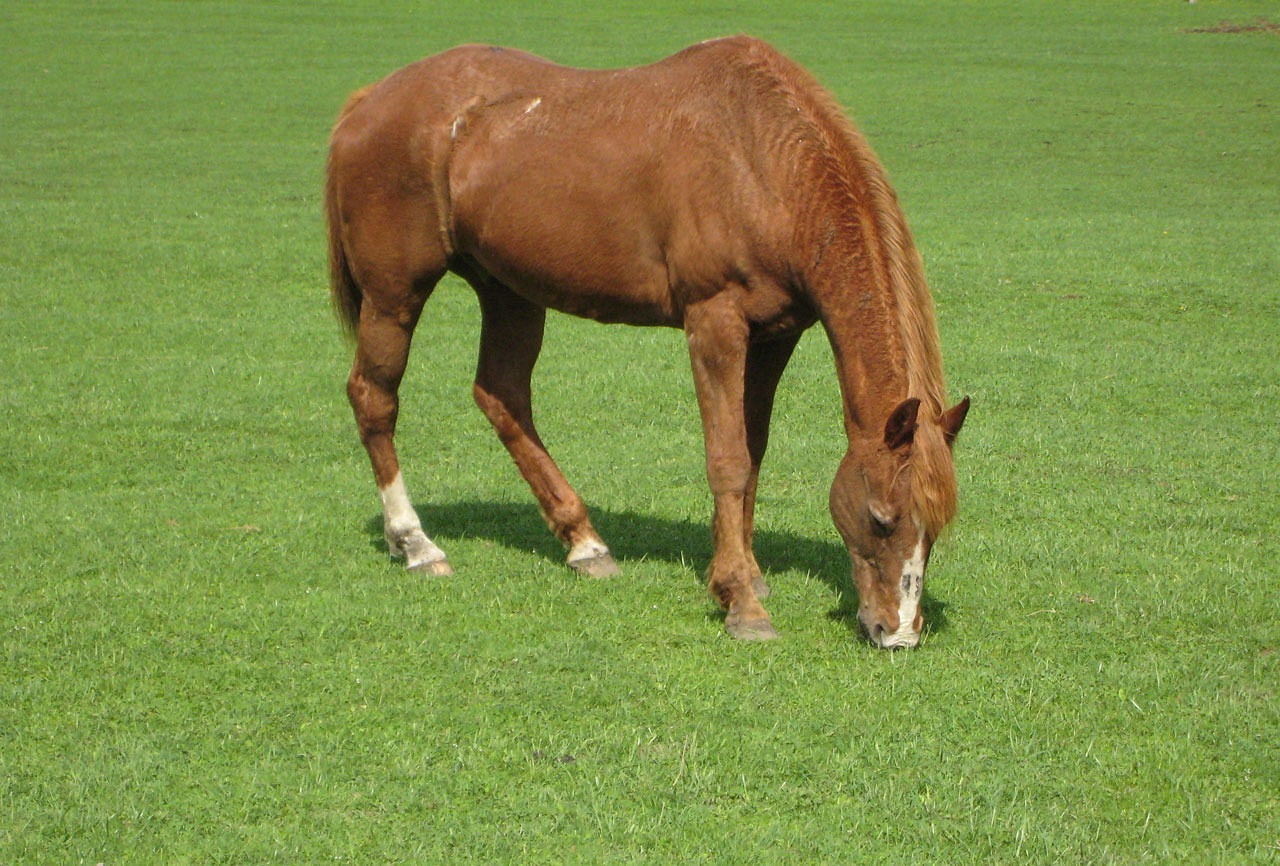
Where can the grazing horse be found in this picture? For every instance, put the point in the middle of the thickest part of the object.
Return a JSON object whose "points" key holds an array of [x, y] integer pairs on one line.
{"points": [[720, 191]]}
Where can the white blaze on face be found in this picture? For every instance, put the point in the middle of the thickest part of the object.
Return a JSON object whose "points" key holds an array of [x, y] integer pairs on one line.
{"points": [[910, 591]]}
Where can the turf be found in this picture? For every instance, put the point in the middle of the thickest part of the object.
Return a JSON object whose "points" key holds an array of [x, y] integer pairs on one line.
{"points": [[206, 655]]}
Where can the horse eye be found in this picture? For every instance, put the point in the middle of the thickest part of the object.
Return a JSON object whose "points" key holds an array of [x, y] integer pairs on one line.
{"points": [[882, 524]]}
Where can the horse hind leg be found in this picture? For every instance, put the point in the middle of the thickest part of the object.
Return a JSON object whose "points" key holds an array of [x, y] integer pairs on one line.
{"points": [[382, 352], [510, 341], [388, 315]]}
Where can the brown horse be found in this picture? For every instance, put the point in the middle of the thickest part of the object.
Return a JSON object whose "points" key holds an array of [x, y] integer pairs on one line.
{"points": [[720, 191]]}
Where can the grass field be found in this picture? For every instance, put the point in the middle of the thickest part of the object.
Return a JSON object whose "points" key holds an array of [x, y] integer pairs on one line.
{"points": [[207, 657]]}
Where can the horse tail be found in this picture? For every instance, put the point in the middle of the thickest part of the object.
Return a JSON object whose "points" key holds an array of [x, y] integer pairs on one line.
{"points": [[344, 291]]}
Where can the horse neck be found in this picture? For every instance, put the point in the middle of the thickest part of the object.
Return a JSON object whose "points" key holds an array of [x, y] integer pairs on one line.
{"points": [[867, 282], [861, 269], [879, 318], [859, 313], [863, 274]]}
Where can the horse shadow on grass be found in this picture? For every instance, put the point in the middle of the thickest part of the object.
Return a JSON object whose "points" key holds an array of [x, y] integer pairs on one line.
{"points": [[636, 536]]}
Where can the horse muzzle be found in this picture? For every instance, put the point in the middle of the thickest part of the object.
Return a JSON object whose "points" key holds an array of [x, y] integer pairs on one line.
{"points": [[904, 636]]}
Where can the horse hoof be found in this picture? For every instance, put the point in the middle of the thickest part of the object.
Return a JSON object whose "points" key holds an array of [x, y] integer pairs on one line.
{"points": [[752, 629], [761, 588], [438, 568], [596, 566], [420, 554]]}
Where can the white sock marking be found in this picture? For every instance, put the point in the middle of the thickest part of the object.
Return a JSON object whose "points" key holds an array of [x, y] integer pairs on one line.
{"points": [[397, 511], [587, 549], [403, 530]]}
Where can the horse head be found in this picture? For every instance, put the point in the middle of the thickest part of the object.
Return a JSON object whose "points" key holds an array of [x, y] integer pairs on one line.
{"points": [[890, 499]]}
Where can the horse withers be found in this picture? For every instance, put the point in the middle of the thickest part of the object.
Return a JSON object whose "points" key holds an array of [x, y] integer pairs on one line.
{"points": [[720, 191]]}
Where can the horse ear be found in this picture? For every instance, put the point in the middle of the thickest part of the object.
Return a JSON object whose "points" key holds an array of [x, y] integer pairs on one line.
{"points": [[953, 419], [900, 429]]}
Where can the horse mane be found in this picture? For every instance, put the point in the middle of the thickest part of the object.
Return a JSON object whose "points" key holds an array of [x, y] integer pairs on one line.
{"points": [[838, 158]]}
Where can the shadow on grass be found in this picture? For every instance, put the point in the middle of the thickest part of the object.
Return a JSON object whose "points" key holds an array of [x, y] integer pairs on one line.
{"points": [[635, 536]]}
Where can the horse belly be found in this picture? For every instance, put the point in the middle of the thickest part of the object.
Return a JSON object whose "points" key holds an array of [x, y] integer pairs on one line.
{"points": [[634, 302]]}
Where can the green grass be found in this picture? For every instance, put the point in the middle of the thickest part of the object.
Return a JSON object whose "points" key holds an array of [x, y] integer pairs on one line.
{"points": [[206, 656]]}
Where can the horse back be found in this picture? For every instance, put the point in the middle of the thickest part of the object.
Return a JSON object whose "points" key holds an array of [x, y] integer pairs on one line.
{"points": [[621, 195]]}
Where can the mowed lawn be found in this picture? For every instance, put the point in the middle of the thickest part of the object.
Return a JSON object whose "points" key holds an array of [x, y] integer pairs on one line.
{"points": [[206, 655]]}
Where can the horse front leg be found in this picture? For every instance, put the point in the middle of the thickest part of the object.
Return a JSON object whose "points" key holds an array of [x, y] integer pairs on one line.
{"points": [[765, 363], [382, 351], [717, 335], [510, 341]]}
